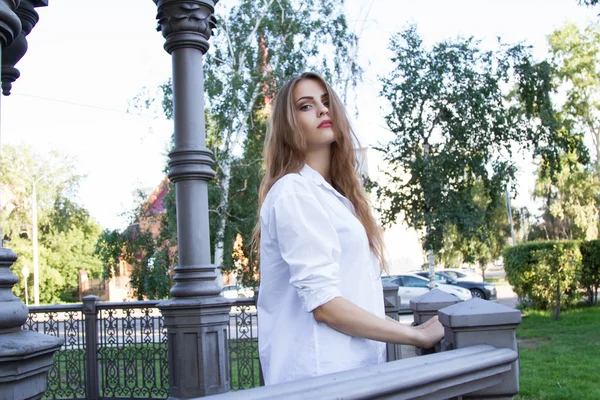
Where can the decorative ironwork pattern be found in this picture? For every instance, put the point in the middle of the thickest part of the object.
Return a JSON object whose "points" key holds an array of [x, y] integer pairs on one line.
{"points": [[243, 346], [66, 378], [132, 351]]}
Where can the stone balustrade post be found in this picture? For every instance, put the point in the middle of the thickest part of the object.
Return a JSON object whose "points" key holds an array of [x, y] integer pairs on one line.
{"points": [[92, 377], [197, 317], [479, 321], [25, 356], [391, 300], [426, 307]]}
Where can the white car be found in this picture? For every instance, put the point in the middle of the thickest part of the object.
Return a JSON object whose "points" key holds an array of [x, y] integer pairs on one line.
{"points": [[236, 292], [411, 286], [463, 275]]}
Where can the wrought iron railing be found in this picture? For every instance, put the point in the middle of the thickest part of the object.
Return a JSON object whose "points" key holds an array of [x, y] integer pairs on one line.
{"points": [[66, 378], [119, 350], [243, 346]]}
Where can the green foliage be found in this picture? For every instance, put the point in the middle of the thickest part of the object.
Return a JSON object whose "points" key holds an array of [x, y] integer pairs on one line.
{"points": [[148, 245], [68, 244], [493, 236], [151, 263], [571, 199], [450, 157], [108, 249], [66, 233], [483, 248], [538, 270], [590, 272], [576, 58]]}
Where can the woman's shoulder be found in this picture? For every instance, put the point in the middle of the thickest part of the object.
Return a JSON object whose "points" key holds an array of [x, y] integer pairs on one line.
{"points": [[290, 184]]}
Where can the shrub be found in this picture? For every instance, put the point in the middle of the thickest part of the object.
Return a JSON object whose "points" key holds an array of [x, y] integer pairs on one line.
{"points": [[590, 269], [542, 272]]}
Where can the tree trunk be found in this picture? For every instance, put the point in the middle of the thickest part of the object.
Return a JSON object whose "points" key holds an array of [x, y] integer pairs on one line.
{"points": [[483, 267], [225, 167], [557, 312]]}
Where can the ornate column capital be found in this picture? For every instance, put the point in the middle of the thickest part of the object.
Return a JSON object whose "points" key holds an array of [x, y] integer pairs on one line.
{"points": [[10, 25], [186, 23], [28, 16], [12, 53]]}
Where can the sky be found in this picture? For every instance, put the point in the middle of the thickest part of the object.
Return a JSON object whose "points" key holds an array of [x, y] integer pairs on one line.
{"points": [[88, 59]]}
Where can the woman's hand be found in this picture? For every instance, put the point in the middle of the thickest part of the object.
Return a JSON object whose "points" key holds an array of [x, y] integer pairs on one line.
{"points": [[432, 331]]}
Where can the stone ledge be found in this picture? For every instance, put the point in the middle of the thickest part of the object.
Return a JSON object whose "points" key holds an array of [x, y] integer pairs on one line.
{"points": [[26, 344]]}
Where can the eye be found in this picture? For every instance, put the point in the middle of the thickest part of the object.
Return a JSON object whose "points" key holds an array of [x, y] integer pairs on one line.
{"points": [[305, 107], [326, 103]]}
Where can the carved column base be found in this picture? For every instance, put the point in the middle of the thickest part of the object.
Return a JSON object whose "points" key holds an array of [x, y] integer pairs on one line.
{"points": [[25, 358], [198, 351]]}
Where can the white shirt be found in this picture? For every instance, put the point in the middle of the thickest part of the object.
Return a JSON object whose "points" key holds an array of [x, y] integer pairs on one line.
{"points": [[312, 249]]}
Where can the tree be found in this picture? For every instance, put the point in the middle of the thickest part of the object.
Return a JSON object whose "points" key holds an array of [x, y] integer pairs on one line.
{"points": [[456, 126], [259, 45], [571, 201], [148, 245], [576, 56], [493, 235], [67, 234]]}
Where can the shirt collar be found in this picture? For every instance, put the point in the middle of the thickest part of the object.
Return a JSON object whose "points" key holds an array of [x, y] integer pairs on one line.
{"points": [[314, 176]]}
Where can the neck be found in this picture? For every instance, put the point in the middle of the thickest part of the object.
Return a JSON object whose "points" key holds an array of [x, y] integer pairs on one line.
{"points": [[320, 160]]}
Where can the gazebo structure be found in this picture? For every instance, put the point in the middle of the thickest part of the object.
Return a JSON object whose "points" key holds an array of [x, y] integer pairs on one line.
{"points": [[196, 318], [477, 358]]}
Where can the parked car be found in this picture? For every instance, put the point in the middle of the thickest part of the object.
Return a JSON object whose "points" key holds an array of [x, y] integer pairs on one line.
{"points": [[235, 292], [462, 275], [482, 290], [411, 286]]}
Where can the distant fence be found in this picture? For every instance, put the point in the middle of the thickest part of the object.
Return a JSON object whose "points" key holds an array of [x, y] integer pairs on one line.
{"points": [[119, 350]]}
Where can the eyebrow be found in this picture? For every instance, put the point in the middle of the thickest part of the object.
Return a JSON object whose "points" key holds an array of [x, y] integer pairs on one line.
{"points": [[311, 98]]}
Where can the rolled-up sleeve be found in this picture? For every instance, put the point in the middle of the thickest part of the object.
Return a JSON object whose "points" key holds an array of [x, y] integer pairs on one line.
{"points": [[309, 244]]}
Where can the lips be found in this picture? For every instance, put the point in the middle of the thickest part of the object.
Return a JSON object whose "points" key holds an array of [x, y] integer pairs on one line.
{"points": [[326, 124]]}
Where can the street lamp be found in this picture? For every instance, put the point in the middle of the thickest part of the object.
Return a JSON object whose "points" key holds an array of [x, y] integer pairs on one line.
{"points": [[25, 272]]}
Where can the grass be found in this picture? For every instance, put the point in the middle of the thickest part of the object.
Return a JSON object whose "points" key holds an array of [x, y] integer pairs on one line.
{"points": [[560, 359], [501, 280]]}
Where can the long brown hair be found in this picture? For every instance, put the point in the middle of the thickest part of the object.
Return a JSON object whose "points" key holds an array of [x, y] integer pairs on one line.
{"points": [[285, 152]]}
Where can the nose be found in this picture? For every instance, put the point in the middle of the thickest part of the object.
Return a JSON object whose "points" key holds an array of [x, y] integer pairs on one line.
{"points": [[323, 110]]}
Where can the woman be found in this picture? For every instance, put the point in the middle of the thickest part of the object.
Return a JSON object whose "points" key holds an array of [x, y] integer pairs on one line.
{"points": [[320, 305]]}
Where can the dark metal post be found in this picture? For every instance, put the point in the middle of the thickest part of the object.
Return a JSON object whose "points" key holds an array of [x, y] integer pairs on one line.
{"points": [[197, 317], [391, 301], [92, 378], [25, 356]]}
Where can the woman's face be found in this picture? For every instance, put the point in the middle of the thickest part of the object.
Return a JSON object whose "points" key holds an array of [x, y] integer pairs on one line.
{"points": [[311, 105]]}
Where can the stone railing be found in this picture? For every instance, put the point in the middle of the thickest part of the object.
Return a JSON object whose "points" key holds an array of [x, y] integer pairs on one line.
{"points": [[478, 358], [119, 350]]}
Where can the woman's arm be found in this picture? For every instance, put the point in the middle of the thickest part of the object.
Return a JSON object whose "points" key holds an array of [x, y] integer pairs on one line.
{"points": [[346, 317]]}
